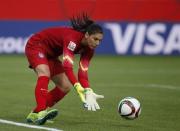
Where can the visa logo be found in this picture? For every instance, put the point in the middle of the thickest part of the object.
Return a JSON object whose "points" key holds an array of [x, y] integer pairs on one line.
{"points": [[143, 38]]}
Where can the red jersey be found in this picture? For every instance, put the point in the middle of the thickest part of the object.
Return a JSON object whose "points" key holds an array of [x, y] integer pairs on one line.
{"points": [[67, 42]]}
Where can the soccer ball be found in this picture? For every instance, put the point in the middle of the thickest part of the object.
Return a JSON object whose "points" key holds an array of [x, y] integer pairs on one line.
{"points": [[129, 108]]}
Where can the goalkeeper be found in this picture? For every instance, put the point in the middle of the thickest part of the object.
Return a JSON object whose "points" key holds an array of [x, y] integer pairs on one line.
{"points": [[42, 51]]}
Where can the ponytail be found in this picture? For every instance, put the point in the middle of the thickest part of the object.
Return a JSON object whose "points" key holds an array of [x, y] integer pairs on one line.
{"points": [[84, 24]]}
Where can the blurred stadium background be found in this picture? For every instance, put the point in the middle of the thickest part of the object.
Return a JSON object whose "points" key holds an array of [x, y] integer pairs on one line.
{"points": [[134, 27], [141, 50]]}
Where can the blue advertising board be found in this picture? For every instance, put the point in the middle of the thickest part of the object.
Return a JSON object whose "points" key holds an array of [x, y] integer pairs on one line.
{"points": [[121, 38]]}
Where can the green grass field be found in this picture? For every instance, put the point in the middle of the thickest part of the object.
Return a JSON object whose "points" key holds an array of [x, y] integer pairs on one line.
{"points": [[155, 81]]}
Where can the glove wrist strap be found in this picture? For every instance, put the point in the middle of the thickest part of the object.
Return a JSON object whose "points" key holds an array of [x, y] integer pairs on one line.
{"points": [[88, 90], [77, 84]]}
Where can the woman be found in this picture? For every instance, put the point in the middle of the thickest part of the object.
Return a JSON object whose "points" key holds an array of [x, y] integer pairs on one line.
{"points": [[42, 51]]}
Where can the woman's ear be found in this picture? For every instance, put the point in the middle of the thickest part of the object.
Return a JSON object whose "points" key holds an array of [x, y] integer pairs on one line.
{"points": [[86, 35]]}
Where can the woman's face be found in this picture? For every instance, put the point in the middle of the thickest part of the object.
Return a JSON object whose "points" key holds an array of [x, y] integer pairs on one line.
{"points": [[93, 40]]}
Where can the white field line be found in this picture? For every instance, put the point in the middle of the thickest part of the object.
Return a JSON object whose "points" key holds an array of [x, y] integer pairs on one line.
{"points": [[27, 125], [171, 87], [162, 86]]}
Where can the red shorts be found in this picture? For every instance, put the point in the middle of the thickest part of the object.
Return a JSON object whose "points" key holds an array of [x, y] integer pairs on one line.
{"points": [[36, 56]]}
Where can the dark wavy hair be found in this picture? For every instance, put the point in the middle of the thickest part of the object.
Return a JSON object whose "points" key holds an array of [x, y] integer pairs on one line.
{"points": [[84, 24]]}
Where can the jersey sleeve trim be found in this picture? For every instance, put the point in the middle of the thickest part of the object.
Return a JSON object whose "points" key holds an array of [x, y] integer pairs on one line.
{"points": [[83, 68], [68, 59]]}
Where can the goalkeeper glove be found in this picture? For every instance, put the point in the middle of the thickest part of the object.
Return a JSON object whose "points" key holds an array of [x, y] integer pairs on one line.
{"points": [[80, 90], [91, 97]]}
